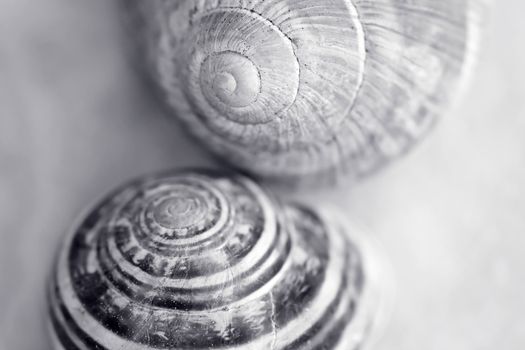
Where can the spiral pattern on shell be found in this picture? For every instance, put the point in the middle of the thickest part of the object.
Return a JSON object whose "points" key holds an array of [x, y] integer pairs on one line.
{"points": [[292, 89], [199, 261]]}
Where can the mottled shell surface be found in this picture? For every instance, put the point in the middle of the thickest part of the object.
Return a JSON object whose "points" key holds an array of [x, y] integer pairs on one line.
{"points": [[289, 89], [200, 261]]}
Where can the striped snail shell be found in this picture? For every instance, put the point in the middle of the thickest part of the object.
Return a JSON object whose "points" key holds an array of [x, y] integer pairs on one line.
{"points": [[195, 260], [296, 90]]}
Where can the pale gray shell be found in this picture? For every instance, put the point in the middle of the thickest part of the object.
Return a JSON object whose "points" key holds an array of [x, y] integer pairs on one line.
{"points": [[199, 261], [289, 89]]}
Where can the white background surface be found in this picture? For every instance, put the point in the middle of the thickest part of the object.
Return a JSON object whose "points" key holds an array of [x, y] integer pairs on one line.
{"points": [[75, 122]]}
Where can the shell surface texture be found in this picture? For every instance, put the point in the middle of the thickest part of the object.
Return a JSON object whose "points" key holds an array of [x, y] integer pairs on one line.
{"points": [[195, 260], [295, 90]]}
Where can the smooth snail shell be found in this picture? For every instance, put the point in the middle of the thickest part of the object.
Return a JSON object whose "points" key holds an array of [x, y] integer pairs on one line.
{"points": [[199, 261], [290, 90]]}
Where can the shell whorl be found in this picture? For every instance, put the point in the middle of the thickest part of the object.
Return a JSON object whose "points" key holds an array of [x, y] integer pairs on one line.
{"points": [[198, 261], [292, 89]]}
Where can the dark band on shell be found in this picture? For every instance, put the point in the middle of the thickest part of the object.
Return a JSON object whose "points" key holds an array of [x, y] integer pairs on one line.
{"points": [[199, 261]]}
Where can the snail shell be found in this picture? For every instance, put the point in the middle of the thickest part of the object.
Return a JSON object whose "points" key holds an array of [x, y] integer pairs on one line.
{"points": [[292, 90], [199, 261]]}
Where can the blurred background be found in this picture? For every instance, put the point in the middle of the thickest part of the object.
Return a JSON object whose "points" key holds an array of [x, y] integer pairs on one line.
{"points": [[75, 121]]}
